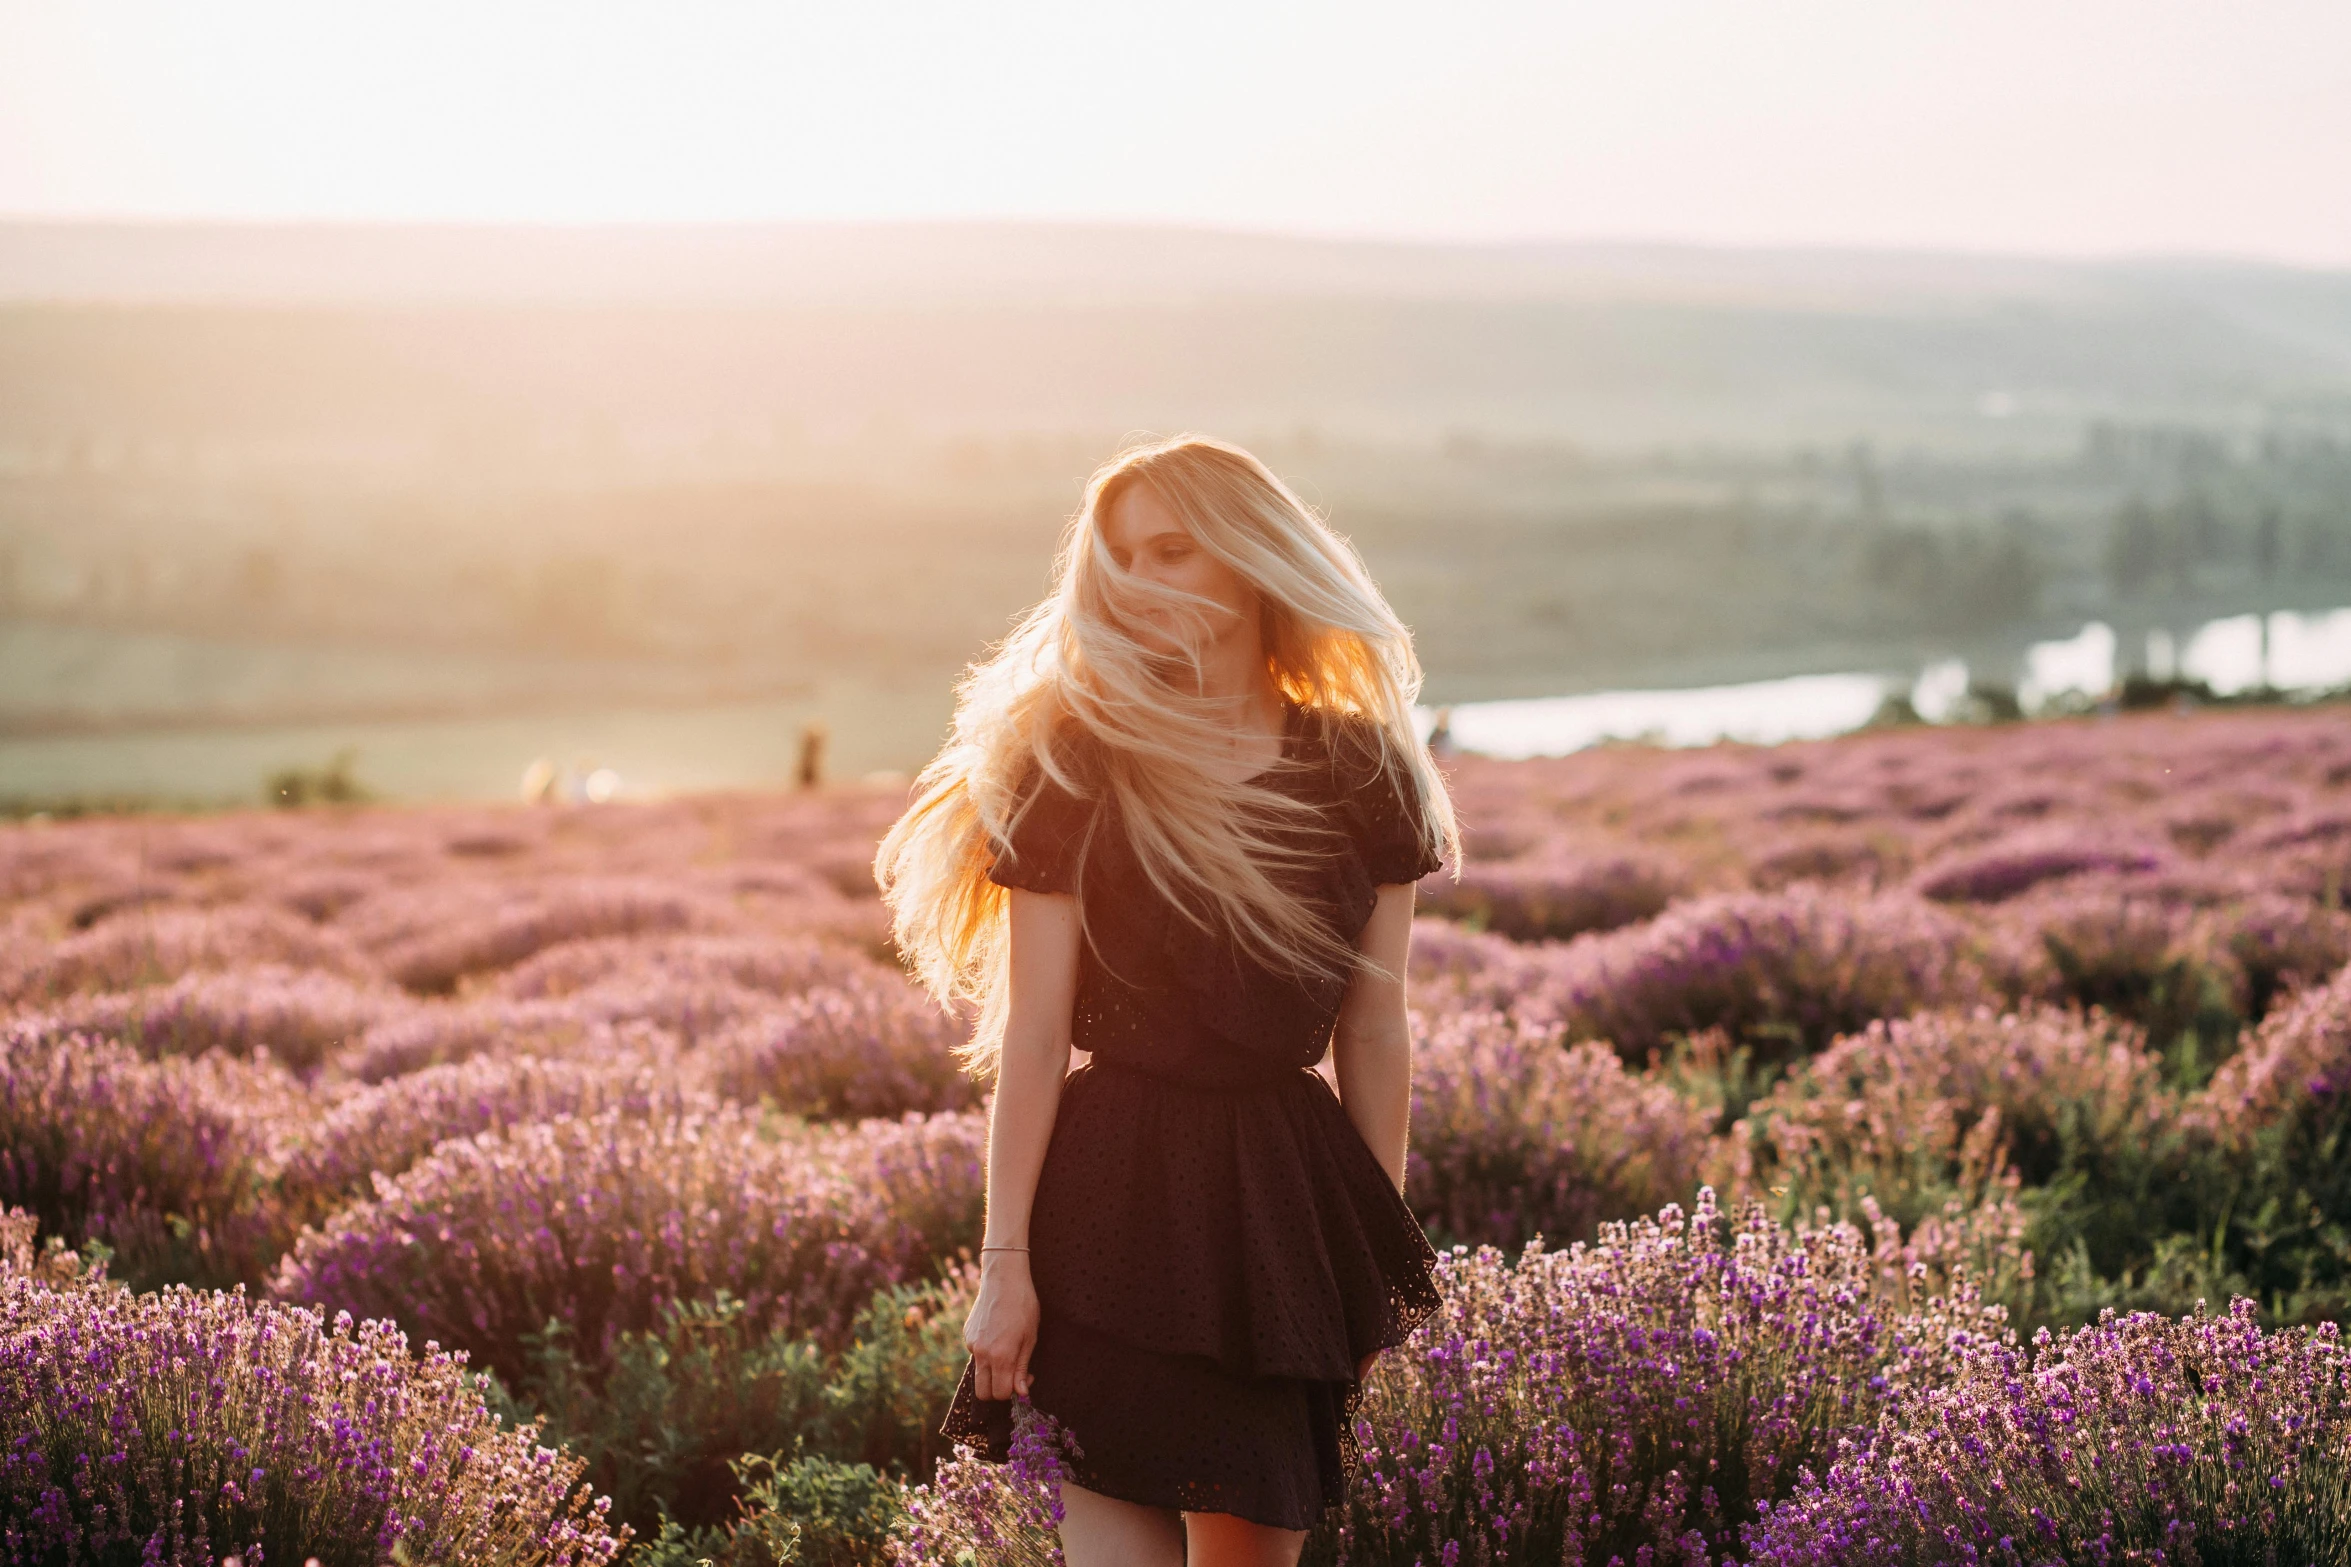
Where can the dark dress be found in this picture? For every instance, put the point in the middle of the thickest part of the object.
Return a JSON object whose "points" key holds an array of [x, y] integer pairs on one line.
{"points": [[1215, 1248]]}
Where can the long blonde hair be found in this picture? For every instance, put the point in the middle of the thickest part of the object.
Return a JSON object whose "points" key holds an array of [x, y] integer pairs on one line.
{"points": [[1073, 670]]}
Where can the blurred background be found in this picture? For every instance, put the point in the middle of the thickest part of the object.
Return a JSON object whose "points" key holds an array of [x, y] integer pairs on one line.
{"points": [[447, 401]]}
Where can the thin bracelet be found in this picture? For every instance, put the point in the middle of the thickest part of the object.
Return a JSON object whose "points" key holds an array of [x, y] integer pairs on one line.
{"points": [[1004, 1248]]}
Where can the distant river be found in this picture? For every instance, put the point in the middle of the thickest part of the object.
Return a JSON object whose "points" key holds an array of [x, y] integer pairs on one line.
{"points": [[651, 750], [2286, 650]]}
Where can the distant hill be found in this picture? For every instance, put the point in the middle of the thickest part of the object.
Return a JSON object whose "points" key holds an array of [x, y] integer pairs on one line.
{"points": [[910, 263], [338, 333], [914, 263]]}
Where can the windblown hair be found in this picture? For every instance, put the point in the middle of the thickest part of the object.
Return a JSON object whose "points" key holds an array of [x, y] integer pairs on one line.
{"points": [[1073, 679]]}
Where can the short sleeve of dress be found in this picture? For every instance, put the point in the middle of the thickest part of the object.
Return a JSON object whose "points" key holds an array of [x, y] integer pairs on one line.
{"points": [[1048, 828], [1386, 808]]}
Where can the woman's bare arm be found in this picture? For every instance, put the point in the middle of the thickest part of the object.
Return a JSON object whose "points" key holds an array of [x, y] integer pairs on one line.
{"points": [[1002, 1328], [1372, 1045]]}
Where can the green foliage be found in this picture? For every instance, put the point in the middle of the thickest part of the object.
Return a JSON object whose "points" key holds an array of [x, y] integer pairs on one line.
{"points": [[332, 784], [809, 1512], [2147, 1181], [844, 1512], [1723, 1078], [2275, 1215], [759, 1535], [2181, 998], [677, 1406], [669, 1427]]}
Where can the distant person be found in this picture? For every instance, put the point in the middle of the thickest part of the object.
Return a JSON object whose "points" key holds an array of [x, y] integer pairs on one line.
{"points": [[1193, 772], [1441, 733], [810, 772]]}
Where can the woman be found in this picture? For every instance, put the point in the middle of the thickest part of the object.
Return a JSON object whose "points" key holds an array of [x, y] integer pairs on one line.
{"points": [[1177, 828]]}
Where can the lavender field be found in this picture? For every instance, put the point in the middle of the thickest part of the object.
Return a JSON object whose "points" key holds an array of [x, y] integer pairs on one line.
{"points": [[1928, 1146]]}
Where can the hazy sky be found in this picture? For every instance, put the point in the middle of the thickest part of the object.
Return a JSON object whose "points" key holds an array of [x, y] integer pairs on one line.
{"points": [[2068, 126]]}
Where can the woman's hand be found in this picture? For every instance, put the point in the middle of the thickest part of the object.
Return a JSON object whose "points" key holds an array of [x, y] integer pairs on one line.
{"points": [[1002, 1328]]}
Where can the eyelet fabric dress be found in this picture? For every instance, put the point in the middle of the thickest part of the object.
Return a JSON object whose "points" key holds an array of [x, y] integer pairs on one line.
{"points": [[1214, 1246]]}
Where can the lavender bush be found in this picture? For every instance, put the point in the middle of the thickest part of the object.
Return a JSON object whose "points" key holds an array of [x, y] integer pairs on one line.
{"points": [[1559, 895], [1514, 1134], [1452, 964], [183, 1427], [451, 1032], [2067, 1114], [1904, 1110], [1869, 860], [2273, 945], [811, 1512], [599, 1221], [783, 965], [383, 1129], [1637, 1399], [2320, 872], [876, 1047], [2138, 1439], [2319, 825], [1989, 873], [1786, 971], [154, 946], [1007, 1515], [163, 1162], [430, 937], [2275, 1186], [23, 1254], [299, 1016], [2131, 952]]}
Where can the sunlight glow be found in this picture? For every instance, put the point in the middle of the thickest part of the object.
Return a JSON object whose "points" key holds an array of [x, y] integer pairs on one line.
{"points": [[2097, 127]]}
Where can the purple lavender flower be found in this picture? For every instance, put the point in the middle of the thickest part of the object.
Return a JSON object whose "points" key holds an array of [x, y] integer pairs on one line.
{"points": [[600, 1220], [149, 946], [975, 1511], [298, 1016], [1563, 893], [1789, 970], [776, 966], [2137, 1439], [1912, 1110], [2014, 864], [180, 1427], [1515, 1134], [385, 1128], [1638, 1399], [431, 936], [162, 1161], [871, 1047]]}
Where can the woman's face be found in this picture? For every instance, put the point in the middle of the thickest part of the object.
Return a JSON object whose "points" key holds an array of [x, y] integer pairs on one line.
{"points": [[1148, 541]]}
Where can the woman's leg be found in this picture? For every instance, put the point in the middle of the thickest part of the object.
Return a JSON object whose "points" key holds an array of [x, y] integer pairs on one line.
{"points": [[1105, 1531], [1222, 1540]]}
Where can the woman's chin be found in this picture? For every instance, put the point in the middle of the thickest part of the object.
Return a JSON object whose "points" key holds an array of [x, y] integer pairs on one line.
{"points": [[1160, 644]]}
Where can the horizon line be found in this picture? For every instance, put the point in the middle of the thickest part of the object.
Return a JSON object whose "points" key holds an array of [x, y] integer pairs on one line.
{"points": [[1355, 239]]}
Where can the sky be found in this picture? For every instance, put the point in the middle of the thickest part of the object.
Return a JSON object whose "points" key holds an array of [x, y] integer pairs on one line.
{"points": [[2055, 127]]}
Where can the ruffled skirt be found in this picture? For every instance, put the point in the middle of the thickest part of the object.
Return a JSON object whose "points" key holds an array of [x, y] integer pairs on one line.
{"points": [[1212, 1264]]}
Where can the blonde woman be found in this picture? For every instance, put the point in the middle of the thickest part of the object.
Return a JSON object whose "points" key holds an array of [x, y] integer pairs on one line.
{"points": [[1177, 829]]}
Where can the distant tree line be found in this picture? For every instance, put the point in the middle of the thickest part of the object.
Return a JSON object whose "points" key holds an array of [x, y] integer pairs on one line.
{"points": [[1955, 580], [2199, 510]]}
